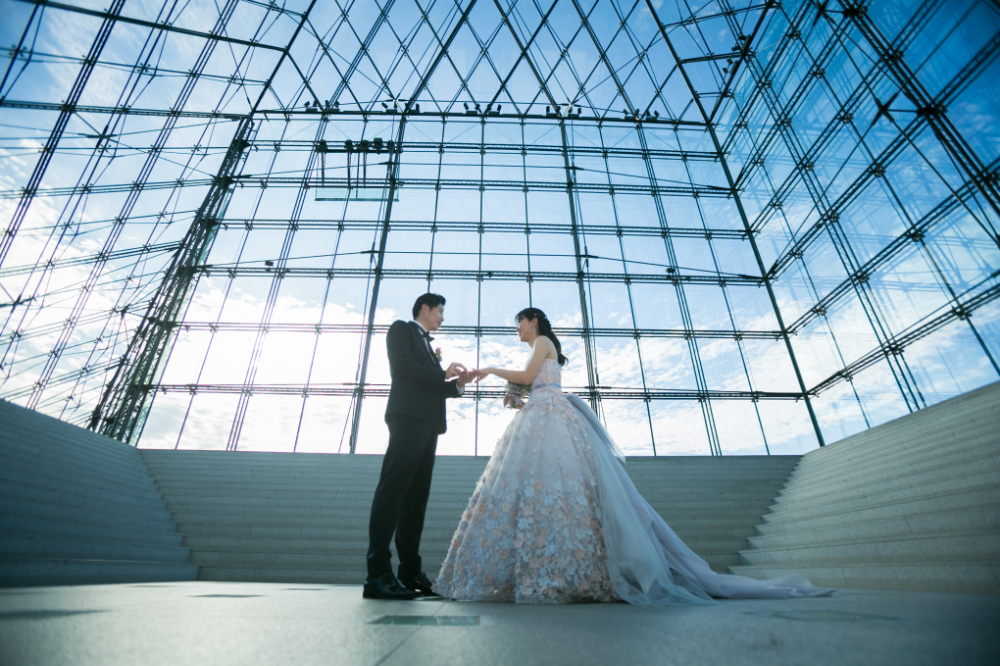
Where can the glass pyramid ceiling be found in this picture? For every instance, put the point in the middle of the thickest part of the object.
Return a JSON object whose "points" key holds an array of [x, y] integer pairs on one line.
{"points": [[756, 226]]}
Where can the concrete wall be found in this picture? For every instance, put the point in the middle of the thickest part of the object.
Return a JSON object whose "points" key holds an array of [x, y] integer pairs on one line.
{"points": [[912, 504]]}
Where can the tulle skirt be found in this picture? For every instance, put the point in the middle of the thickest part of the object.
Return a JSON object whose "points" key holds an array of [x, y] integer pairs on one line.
{"points": [[556, 519], [531, 532]]}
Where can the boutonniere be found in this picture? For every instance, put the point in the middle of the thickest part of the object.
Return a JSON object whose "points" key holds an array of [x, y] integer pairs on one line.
{"points": [[437, 352]]}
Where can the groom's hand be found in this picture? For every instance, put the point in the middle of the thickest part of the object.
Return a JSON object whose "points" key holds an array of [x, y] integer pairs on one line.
{"points": [[454, 370], [465, 377]]}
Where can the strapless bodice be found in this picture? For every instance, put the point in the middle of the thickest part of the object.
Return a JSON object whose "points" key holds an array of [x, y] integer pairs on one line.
{"points": [[550, 376]]}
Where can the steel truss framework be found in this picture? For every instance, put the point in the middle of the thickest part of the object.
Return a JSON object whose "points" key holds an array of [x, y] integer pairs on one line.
{"points": [[756, 226]]}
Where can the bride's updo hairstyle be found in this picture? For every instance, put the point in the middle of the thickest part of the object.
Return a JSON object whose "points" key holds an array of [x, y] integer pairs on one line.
{"points": [[544, 328]]}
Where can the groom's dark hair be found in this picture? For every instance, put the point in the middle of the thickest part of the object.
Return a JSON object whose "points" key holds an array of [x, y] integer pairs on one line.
{"points": [[430, 300]]}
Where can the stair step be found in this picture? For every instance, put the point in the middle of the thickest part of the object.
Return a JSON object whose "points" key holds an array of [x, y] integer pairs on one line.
{"points": [[344, 559], [35, 471], [923, 433], [186, 504], [16, 416], [184, 461], [359, 520], [950, 467], [55, 458], [944, 576], [329, 575], [214, 494], [22, 545], [867, 461], [354, 483], [31, 572], [13, 522], [862, 501], [913, 548], [985, 517], [80, 483], [957, 500], [84, 496], [117, 513], [359, 544], [347, 559], [264, 515], [902, 487], [171, 455], [36, 438], [337, 467], [358, 530]]}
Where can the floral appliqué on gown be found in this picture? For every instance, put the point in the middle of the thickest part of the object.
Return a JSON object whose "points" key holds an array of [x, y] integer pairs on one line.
{"points": [[532, 533]]}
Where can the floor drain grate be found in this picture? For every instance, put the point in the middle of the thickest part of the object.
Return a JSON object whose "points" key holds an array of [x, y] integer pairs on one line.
{"points": [[430, 620]]}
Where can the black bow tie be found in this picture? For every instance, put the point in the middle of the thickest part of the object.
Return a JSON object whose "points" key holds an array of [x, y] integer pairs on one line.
{"points": [[427, 336]]}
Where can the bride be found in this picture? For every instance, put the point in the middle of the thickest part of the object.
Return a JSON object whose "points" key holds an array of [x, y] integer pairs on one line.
{"points": [[555, 519]]}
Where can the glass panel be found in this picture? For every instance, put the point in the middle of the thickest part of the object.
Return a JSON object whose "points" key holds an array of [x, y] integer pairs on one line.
{"points": [[325, 426], [667, 364], [204, 219], [628, 424], [335, 358], [788, 428], [270, 423], [679, 428], [209, 421], [738, 427], [373, 434], [460, 440], [165, 422], [723, 365], [501, 300]]}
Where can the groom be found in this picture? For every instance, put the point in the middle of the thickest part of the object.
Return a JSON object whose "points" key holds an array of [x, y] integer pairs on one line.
{"points": [[415, 416]]}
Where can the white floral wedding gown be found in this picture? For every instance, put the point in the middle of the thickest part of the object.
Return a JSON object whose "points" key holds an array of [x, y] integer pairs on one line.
{"points": [[555, 519]]}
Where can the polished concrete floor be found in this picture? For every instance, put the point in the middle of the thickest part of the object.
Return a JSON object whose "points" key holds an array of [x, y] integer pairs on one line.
{"points": [[273, 623]]}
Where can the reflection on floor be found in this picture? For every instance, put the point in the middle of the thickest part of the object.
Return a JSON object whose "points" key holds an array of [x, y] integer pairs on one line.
{"points": [[273, 623]]}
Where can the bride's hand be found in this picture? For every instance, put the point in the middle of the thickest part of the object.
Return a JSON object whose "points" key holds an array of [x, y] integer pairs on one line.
{"points": [[480, 374]]}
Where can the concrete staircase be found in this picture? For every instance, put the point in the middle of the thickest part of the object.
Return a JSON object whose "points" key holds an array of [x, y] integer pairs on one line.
{"points": [[304, 517], [912, 504], [713, 503], [80, 508]]}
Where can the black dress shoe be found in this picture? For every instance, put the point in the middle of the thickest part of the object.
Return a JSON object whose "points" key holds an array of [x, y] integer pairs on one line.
{"points": [[387, 587], [420, 583]]}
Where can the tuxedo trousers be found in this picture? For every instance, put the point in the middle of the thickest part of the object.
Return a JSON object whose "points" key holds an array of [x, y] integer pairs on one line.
{"points": [[401, 496]]}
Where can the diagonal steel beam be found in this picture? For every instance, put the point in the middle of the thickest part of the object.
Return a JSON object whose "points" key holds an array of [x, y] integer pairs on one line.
{"points": [[113, 15], [49, 150], [152, 157], [746, 225], [122, 409]]}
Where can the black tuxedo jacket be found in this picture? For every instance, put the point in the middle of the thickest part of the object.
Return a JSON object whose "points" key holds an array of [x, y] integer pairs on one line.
{"points": [[418, 387]]}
